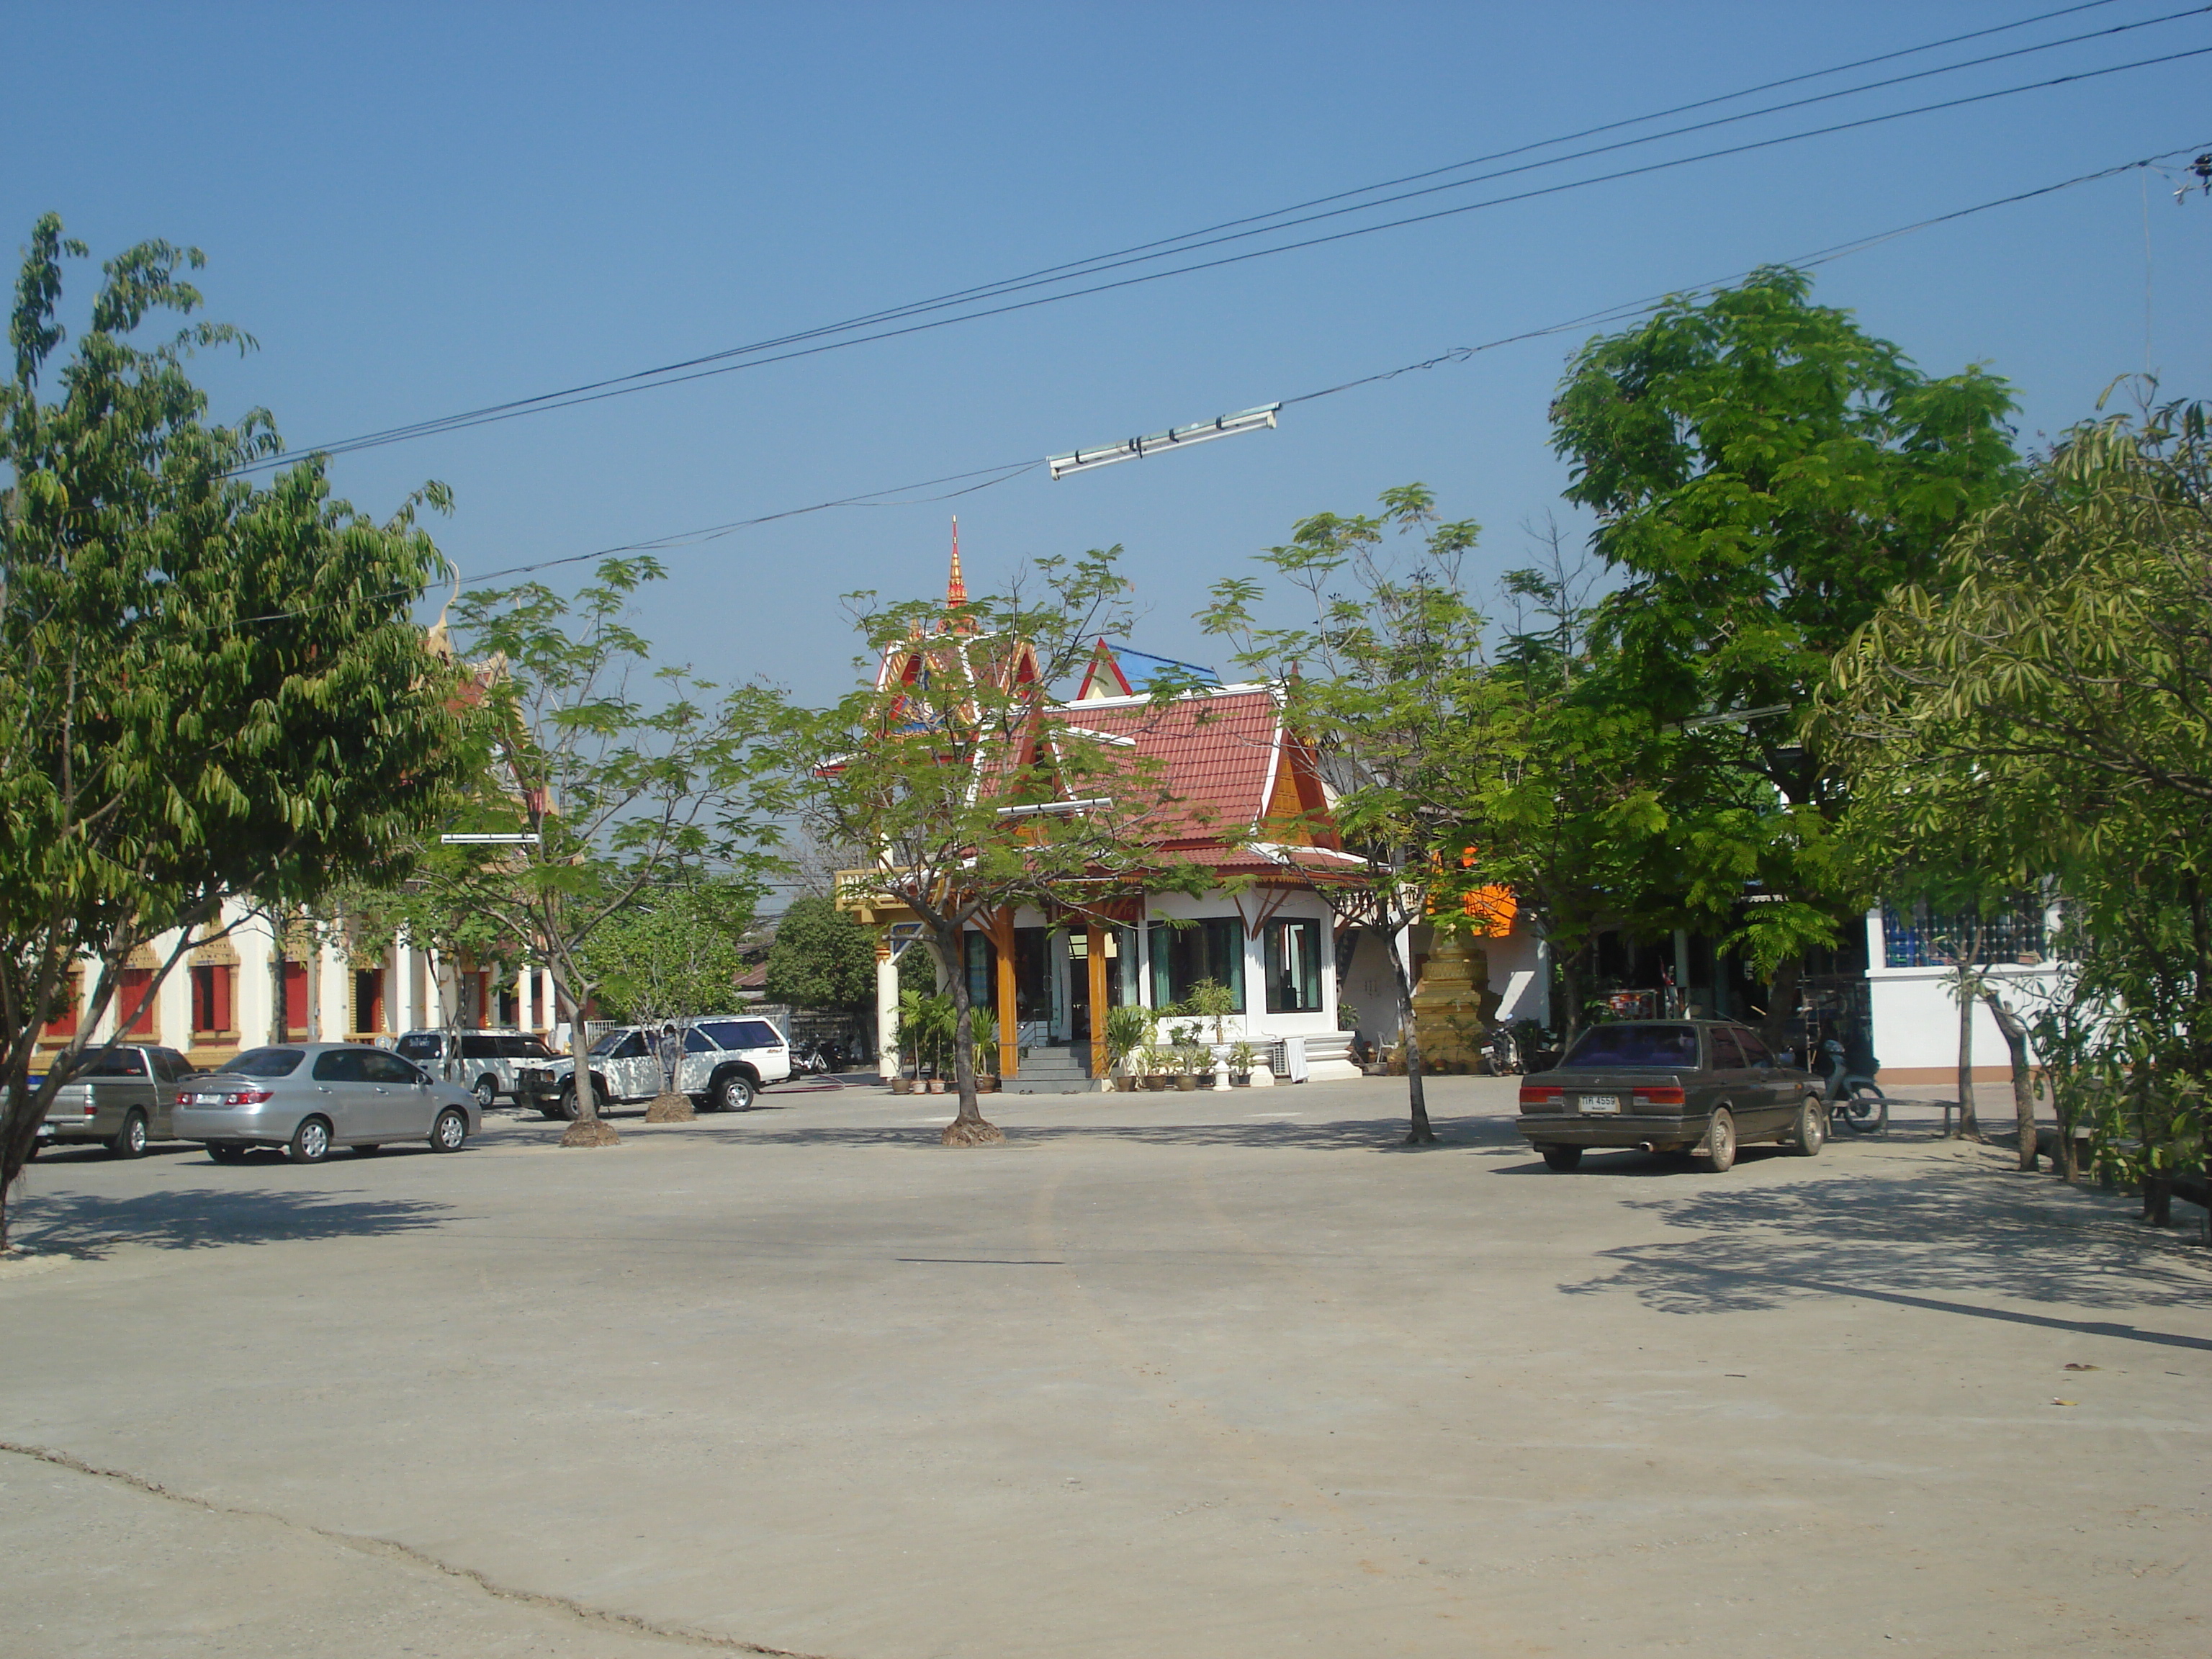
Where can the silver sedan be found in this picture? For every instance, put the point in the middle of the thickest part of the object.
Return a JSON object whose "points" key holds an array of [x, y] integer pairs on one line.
{"points": [[307, 1097]]}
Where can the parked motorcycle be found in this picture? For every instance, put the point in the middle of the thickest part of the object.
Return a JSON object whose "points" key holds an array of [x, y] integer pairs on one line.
{"points": [[1501, 1052], [1852, 1097], [820, 1056]]}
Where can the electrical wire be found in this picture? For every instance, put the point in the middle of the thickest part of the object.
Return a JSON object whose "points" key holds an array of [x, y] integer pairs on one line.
{"points": [[674, 375], [990, 476]]}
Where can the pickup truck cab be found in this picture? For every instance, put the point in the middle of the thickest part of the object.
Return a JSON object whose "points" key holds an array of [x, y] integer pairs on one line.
{"points": [[727, 1061], [119, 1098]]}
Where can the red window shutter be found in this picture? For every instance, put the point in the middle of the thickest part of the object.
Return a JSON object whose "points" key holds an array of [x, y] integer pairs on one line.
{"points": [[296, 998], [64, 1023], [219, 1000], [134, 994]]}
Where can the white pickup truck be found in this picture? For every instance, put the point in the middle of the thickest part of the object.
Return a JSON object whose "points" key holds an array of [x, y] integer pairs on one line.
{"points": [[119, 1098], [728, 1059]]}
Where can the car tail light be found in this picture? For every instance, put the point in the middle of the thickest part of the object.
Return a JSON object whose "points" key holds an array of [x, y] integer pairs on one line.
{"points": [[1540, 1094], [90, 1110], [1661, 1096], [246, 1096]]}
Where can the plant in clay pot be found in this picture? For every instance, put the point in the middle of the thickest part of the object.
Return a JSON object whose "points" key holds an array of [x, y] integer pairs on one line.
{"points": [[1128, 1031], [1242, 1057]]}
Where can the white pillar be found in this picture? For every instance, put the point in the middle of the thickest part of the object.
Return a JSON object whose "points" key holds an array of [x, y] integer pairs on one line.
{"points": [[886, 1011]]}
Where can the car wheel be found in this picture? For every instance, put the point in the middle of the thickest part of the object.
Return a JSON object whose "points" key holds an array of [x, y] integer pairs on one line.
{"points": [[368, 1149], [221, 1152], [451, 1132], [1810, 1130], [310, 1142], [1563, 1158], [734, 1093], [1720, 1142], [131, 1140], [486, 1092], [568, 1107]]}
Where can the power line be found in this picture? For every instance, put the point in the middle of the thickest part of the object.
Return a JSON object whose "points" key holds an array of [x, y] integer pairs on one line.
{"points": [[1001, 474], [1345, 235], [980, 478], [673, 374]]}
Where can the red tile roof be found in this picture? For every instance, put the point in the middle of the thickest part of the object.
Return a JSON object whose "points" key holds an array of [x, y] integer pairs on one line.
{"points": [[1217, 755]]}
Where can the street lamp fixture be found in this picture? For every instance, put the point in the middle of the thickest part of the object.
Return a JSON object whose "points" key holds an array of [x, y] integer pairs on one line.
{"points": [[1175, 437], [1734, 717], [1057, 809]]}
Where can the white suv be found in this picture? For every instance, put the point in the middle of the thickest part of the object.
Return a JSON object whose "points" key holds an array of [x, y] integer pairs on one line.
{"points": [[728, 1059], [488, 1064]]}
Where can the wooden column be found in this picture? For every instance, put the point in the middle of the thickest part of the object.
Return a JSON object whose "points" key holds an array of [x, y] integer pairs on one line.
{"points": [[1094, 951], [1010, 1036]]}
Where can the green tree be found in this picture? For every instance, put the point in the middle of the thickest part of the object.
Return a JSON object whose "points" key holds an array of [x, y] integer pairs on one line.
{"points": [[2057, 672], [1764, 473], [629, 795], [674, 954], [821, 958], [969, 797], [214, 693], [1372, 679]]}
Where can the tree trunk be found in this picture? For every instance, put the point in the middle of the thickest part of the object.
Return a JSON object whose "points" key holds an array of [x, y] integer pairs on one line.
{"points": [[1781, 994], [968, 1128], [589, 1129], [1571, 996], [2023, 1078], [1969, 1128], [1418, 1132], [280, 1017]]}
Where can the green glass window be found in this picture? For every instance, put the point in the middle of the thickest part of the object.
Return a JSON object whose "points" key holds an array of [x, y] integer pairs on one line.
{"points": [[1293, 959], [1212, 949]]}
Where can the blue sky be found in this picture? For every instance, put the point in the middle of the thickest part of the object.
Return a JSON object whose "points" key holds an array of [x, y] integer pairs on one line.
{"points": [[422, 208]]}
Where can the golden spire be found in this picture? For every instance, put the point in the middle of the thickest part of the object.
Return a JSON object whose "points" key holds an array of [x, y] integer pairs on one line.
{"points": [[956, 590]]}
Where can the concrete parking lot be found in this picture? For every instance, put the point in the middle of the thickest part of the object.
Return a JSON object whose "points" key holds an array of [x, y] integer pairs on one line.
{"points": [[1217, 1374]]}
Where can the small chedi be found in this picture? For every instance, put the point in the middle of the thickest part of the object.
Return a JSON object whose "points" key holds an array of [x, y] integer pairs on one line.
{"points": [[1454, 1004]]}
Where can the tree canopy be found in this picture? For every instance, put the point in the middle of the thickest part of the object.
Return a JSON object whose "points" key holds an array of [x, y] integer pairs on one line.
{"points": [[215, 690], [821, 958]]}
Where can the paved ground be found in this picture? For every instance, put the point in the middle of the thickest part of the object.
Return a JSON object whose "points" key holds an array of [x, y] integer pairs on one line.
{"points": [[1219, 1375]]}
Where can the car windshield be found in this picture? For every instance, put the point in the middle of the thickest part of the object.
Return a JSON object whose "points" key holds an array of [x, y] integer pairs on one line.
{"points": [[1669, 1047], [267, 1062], [421, 1045]]}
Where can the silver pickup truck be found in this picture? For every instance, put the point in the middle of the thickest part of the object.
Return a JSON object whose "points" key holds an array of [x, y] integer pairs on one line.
{"points": [[120, 1099]]}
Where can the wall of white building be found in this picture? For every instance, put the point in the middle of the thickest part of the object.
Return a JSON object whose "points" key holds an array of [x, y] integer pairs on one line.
{"points": [[1916, 1018], [413, 988]]}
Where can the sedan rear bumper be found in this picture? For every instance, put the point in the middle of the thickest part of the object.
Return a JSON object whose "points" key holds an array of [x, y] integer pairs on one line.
{"points": [[240, 1124], [1614, 1129]]}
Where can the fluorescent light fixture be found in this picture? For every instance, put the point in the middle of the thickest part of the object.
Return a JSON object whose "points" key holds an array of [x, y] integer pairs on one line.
{"points": [[1131, 449], [490, 840], [1057, 809], [1735, 716]]}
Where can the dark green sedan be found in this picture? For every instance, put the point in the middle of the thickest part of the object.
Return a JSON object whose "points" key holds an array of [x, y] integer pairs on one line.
{"points": [[1700, 1086]]}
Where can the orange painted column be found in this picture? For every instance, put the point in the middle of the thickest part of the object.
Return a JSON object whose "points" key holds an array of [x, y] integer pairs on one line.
{"points": [[1010, 1039], [1095, 952]]}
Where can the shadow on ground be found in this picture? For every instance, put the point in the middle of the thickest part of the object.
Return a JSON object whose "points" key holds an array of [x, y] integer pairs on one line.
{"points": [[1341, 1134], [89, 1226], [1943, 1234]]}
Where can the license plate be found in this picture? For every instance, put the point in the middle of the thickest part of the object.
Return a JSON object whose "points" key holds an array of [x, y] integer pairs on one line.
{"points": [[1600, 1103]]}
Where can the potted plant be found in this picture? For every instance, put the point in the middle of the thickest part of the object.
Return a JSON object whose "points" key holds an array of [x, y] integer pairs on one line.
{"points": [[1211, 1000], [1191, 1057], [1242, 1056], [1127, 1031], [1158, 1065], [984, 1024]]}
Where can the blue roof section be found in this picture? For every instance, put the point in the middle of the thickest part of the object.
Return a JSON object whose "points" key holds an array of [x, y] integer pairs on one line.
{"points": [[1141, 668]]}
